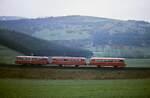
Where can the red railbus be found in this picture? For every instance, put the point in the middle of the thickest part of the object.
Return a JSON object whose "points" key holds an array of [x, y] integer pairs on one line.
{"points": [[77, 61], [107, 62], [33, 60]]}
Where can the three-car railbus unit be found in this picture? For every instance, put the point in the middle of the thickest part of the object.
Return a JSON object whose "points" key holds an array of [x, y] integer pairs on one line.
{"points": [[69, 61]]}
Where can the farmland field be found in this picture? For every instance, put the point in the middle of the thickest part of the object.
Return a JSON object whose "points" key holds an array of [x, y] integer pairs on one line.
{"points": [[126, 88], [138, 62]]}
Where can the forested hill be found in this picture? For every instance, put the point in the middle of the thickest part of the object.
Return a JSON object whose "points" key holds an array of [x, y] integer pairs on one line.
{"points": [[105, 37], [99, 31], [29, 45]]}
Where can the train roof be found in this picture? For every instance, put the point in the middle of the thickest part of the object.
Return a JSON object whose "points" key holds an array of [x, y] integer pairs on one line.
{"points": [[61, 57], [32, 56], [104, 58]]}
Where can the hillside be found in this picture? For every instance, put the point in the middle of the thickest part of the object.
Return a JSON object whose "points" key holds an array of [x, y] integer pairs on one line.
{"points": [[7, 18], [102, 36], [29, 45], [7, 55]]}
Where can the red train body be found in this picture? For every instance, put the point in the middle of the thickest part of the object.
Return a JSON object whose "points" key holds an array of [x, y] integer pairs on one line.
{"points": [[34, 60], [68, 61], [76, 61], [107, 62]]}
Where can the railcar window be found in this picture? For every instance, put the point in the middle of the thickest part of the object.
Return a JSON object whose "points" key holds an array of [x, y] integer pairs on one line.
{"points": [[33, 58], [99, 60], [65, 59], [82, 59], [93, 60], [19, 58], [121, 60], [104, 60], [40, 59], [110, 60], [114, 60], [75, 60]]}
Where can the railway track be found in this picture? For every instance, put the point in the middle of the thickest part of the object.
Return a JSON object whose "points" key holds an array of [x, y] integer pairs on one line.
{"points": [[56, 72], [71, 67]]}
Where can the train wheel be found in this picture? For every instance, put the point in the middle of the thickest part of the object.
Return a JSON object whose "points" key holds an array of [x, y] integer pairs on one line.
{"points": [[115, 66], [60, 65], [76, 65], [99, 66]]}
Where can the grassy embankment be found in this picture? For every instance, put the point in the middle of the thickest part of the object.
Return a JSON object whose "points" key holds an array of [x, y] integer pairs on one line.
{"points": [[136, 88], [7, 56]]}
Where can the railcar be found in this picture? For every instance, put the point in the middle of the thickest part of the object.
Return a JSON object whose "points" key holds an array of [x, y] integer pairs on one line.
{"points": [[76, 61], [107, 62], [32, 60]]}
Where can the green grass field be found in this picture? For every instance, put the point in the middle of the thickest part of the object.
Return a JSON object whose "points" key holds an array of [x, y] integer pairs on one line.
{"points": [[138, 62], [136, 88], [7, 56]]}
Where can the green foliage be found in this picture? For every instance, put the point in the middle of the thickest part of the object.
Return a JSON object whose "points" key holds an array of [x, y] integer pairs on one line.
{"points": [[30, 45], [134, 88], [131, 37], [8, 56], [138, 62]]}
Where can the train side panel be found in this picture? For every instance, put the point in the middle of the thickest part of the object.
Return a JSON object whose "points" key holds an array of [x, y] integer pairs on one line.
{"points": [[68, 61], [114, 62], [33, 60]]}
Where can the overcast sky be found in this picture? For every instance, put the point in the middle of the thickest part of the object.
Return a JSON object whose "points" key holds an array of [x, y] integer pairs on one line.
{"points": [[117, 9]]}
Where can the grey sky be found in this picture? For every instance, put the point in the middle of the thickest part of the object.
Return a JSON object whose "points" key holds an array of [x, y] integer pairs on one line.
{"points": [[117, 9]]}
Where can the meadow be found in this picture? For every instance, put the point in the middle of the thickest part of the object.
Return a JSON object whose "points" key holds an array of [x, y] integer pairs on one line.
{"points": [[76, 88], [126, 88]]}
